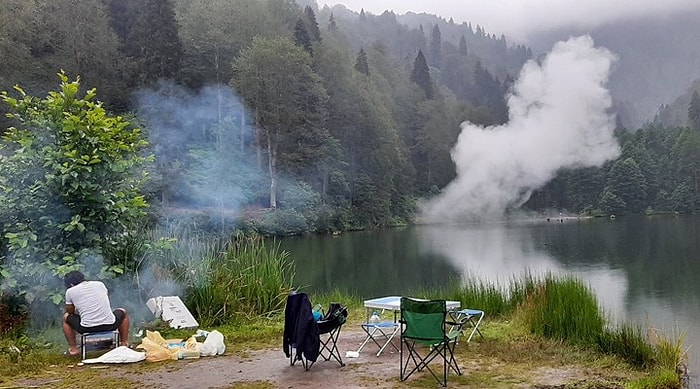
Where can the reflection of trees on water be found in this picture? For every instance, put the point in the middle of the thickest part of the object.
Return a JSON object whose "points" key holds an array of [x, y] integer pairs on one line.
{"points": [[368, 264], [642, 269], [659, 254]]}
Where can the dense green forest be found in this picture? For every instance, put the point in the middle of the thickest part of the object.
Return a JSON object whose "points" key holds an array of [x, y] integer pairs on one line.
{"points": [[135, 122], [281, 117]]}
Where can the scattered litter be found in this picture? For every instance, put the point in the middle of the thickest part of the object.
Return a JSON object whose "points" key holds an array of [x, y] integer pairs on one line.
{"points": [[352, 354]]}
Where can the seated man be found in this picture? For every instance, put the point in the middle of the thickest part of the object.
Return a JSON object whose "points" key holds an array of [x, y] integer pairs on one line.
{"points": [[88, 310]]}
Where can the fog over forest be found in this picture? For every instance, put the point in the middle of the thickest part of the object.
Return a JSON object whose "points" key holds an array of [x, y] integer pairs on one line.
{"points": [[655, 41]]}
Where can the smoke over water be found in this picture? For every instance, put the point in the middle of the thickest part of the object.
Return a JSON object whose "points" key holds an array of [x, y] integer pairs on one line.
{"points": [[559, 118]]}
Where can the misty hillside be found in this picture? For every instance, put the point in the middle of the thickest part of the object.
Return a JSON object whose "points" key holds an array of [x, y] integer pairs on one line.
{"points": [[324, 119], [659, 58], [454, 52]]}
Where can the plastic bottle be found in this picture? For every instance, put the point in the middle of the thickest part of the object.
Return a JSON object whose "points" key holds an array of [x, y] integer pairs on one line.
{"points": [[374, 318], [316, 311]]}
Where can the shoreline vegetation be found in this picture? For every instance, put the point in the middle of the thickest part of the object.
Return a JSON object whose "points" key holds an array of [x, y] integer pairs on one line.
{"points": [[239, 287]]}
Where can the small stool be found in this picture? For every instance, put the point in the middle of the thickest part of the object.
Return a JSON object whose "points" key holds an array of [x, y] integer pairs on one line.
{"points": [[472, 317], [378, 332], [98, 341]]}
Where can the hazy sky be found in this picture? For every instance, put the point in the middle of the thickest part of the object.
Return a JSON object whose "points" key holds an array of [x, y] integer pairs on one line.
{"points": [[517, 18]]}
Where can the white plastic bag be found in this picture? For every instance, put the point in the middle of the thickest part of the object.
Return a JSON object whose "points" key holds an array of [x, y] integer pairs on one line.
{"points": [[121, 354], [213, 344]]}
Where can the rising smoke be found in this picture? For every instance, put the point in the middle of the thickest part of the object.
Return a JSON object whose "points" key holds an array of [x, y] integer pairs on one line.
{"points": [[559, 118]]}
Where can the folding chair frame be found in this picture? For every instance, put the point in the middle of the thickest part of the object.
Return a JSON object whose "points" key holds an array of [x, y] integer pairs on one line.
{"points": [[468, 316], [374, 330], [443, 347], [329, 345]]}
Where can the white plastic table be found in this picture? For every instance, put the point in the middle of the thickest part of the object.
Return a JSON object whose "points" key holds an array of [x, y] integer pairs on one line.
{"points": [[393, 303], [388, 329]]}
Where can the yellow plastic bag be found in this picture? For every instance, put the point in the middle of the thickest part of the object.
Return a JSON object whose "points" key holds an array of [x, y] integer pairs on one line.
{"points": [[154, 351], [159, 349], [156, 347], [156, 338]]}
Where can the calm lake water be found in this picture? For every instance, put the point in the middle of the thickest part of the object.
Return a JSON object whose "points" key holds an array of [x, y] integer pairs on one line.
{"points": [[643, 269]]}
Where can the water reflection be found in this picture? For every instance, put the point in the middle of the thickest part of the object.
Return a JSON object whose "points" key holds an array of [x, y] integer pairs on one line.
{"points": [[642, 269], [497, 253]]}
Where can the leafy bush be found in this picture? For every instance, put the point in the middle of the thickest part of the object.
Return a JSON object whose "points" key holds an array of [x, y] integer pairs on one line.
{"points": [[282, 222], [69, 187]]}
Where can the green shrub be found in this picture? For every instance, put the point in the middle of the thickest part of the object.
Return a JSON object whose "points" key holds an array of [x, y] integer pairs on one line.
{"points": [[282, 222]]}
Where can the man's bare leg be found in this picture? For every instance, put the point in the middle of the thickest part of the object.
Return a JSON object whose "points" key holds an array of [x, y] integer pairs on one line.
{"points": [[70, 334], [124, 329]]}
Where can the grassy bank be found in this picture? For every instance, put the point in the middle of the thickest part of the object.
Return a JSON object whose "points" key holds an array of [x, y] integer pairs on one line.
{"points": [[240, 288]]}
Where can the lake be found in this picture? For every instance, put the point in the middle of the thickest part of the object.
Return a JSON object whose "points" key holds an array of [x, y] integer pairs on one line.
{"points": [[643, 269]]}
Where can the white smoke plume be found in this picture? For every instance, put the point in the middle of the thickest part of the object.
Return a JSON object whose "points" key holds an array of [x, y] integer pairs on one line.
{"points": [[559, 118]]}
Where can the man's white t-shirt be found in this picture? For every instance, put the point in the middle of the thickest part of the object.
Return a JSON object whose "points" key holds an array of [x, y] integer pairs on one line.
{"points": [[91, 303]]}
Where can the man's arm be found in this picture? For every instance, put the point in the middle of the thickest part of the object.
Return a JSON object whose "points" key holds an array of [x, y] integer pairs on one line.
{"points": [[70, 309]]}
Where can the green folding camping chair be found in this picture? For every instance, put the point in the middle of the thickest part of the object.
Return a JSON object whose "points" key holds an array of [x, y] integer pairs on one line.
{"points": [[427, 334]]}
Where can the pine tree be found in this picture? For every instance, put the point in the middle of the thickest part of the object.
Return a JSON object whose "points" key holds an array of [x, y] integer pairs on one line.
{"points": [[694, 111], [301, 37], [361, 64], [436, 47], [488, 92], [332, 26], [154, 43], [311, 24], [421, 75], [463, 46], [122, 16]]}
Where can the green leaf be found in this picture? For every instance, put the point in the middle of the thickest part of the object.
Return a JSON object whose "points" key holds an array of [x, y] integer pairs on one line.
{"points": [[56, 298]]}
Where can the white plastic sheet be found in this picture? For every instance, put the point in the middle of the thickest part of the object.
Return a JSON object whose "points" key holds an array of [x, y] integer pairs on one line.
{"points": [[121, 354]]}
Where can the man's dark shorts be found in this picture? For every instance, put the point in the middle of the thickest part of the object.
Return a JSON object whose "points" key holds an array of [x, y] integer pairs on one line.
{"points": [[74, 323]]}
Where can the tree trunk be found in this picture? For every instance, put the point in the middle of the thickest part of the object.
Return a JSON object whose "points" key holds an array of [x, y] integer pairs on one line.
{"points": [[272, 164]]}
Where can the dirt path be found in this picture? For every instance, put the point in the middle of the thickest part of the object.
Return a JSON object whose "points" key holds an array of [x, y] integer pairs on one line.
{"points": [[272, 367]]}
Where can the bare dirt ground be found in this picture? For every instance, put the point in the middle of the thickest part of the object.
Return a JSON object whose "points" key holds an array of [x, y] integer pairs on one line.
{"points": [[271, 369]]}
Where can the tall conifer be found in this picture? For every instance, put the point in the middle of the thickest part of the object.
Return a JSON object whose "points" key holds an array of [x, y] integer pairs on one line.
{"points": [[421, 75]]}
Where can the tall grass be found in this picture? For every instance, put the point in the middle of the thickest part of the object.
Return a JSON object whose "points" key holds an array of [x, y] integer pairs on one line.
{"points": [[563, 309], [265, 274], [628, 341], [478, 294], [670, 351], [225, 281]]}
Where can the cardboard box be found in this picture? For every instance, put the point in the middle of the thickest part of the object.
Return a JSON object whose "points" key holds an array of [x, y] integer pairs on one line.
{"points": [[173, 310]]}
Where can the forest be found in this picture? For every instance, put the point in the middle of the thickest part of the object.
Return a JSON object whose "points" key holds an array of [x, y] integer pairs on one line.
{"points": [[152, 142], [285, 118]]}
